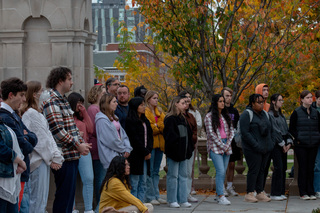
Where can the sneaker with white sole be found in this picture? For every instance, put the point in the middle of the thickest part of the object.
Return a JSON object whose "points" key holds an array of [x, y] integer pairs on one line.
{"points": [[231, 191], [91, 211], [154, 202], [223, 201], [284, 197], [185, 205], [193, 192], [192, 199], [276, 198], [174, 205], [305, 197], [75, 211], [317, 194], [162, 201], [312, 197]]}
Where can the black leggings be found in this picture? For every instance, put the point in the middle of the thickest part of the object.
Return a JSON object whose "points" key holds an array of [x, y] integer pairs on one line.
{"points": [[256, 163]]}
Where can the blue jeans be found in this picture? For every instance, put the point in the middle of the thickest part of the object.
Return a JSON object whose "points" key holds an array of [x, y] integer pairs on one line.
{"points": [[138, 183], [7, 207], [24, 207], [189, 172], [39, 188], [99, 175], [152, 192], [177, 181], [86, 174], [316, 180], [220, 162], [65, 179]]}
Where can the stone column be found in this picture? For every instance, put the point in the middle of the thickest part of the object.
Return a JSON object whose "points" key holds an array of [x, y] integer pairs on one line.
{"points": [[11, 54]]}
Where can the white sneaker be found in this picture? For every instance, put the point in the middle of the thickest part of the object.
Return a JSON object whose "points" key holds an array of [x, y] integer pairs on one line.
{"points": [[231, 191], [185, 205], [192, 199], [317, 194], [305, 197], [277, 198], [174, 205], [193, 192], [284, 197], [162, 201], [91, 211], [225, 193], [75, 211], [312, 197], [155, 202], [223, 201]]}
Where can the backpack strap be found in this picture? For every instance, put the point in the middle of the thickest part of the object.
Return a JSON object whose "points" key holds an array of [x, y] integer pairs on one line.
{"points": [[250, 114]]}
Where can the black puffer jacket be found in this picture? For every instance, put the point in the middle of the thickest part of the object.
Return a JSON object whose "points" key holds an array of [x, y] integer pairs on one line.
{"points": [[256, 135], [178, 138], [305, 127]]}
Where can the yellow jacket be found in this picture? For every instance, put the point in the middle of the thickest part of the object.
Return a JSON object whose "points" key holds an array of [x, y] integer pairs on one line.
{"points": [[118, 196], [157, 128]]}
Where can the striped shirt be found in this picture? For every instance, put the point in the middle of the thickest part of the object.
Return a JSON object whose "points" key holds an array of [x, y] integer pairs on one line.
{"points": [[214, 142], [62, 125]]}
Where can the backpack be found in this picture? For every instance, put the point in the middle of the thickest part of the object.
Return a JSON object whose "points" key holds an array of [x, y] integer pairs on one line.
{"points": [[237, 135]]}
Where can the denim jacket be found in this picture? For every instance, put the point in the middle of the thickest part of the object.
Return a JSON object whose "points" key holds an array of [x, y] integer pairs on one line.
{"points": [[7, 155], [26, 141]]}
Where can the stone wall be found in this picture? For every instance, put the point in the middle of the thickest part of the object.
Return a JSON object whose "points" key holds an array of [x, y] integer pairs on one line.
{"points": [[38, 35]]}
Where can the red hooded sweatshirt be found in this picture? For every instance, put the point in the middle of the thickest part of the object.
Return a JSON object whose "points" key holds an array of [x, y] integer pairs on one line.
{"points": [[266, 106]]}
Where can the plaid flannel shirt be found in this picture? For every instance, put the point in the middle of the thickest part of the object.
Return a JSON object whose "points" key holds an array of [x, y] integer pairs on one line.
{"points": [[214, 142], [62, 126]]}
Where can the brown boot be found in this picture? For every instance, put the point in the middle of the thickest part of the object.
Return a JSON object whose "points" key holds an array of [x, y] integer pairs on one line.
{"points": [[250, 198], [262, 197]]}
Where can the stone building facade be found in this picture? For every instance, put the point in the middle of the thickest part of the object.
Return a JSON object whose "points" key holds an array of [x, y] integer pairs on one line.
{"points": [[38, 35]]}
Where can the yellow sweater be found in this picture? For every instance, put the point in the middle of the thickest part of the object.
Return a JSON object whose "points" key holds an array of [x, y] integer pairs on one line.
{"points": [[118, 196], [157, 127]]}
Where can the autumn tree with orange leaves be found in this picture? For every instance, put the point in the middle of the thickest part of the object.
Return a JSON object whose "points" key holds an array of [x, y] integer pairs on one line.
{"points": [[214, 44]]}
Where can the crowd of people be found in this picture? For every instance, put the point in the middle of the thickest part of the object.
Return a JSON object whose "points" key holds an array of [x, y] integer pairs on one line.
{"points": [[117, 146]]}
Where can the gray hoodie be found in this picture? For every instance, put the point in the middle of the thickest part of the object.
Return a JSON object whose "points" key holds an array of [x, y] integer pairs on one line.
{"points": [[109, 143]]}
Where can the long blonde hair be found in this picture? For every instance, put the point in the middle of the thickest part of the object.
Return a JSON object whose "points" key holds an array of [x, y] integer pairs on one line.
{"points": [[147, 97], [33, 87], [172, 110], [105, 106]]}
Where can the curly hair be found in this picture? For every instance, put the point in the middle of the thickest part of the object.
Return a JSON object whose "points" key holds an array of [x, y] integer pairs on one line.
{"points": [[116, 169], [94, 92], [56, 75], [254, 98], [215, 113], [13, 85]]}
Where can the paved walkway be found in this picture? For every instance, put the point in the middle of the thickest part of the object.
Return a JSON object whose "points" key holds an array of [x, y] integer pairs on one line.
{"points": [[207, 204]]}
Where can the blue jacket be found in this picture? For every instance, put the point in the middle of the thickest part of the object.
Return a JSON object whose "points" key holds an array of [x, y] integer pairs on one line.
{"points": [[26, 141], [7, 155], [122, 112]]}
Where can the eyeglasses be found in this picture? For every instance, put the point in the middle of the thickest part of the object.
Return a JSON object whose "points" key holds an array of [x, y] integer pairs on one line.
{"points": [[115, 84], [260, 102], [281, 100]]}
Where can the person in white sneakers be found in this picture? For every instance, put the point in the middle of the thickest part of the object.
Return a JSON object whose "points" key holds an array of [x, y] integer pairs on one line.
{"points": [[220, 133], [236, 151]]}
